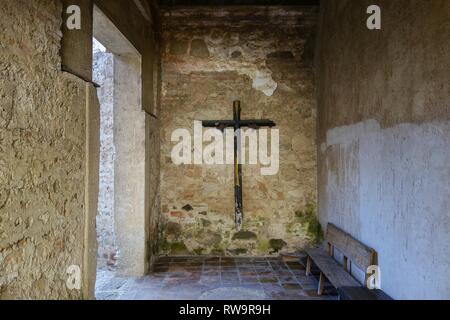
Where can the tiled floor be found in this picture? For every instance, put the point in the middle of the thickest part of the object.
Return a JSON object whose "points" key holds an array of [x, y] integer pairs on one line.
{"points": [[214, 278]]}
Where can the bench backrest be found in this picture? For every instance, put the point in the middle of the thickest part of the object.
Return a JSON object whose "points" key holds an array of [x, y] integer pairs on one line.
{"points": [[352, 249]]}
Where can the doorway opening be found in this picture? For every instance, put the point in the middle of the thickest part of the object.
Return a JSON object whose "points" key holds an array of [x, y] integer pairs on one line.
{"points": [[121, 216], [103, 74]]}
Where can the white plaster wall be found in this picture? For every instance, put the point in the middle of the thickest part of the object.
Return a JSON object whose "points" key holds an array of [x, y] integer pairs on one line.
{"points": [[390, 188]]}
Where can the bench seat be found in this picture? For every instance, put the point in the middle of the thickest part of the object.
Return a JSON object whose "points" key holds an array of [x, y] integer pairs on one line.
{"points": [[331, 269]]}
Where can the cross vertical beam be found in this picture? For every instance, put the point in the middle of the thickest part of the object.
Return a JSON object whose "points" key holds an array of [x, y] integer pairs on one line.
{"points": [[238, 206], [237, 123]]}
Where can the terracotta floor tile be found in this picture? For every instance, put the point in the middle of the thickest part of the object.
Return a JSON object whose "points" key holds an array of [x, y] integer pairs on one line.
{"points": [[192, 278]]}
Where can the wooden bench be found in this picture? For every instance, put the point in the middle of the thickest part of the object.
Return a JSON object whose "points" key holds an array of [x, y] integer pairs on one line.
{"points": [[354, 252], [361, 293]]}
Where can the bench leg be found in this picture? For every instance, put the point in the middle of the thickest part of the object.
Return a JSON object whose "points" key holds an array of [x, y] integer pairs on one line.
{"points": [[345, 264], [308, 266], [321, 282]]}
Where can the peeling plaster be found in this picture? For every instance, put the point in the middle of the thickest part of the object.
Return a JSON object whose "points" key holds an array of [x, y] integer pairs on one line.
{"points": [[232, 50], [263, 82]]}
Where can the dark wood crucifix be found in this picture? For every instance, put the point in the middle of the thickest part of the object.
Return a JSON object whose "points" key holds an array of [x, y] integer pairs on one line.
{"points": [[237, 124]]}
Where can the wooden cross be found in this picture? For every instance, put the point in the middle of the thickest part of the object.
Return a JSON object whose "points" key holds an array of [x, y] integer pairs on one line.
{"points": [[237, 124]]}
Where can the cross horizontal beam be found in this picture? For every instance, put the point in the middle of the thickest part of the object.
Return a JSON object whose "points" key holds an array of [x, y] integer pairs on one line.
{"points": [[242, 123]]}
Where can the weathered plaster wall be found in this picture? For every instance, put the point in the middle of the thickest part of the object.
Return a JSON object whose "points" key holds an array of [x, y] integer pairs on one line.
{"points": [[91, 187], [130, 137], [263, 57], [384, 137], [103, 74], [76, 53], [44, 169]]}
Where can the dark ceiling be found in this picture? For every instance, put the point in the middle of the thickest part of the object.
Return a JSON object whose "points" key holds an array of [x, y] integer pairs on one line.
{"points": [[238, 2]]}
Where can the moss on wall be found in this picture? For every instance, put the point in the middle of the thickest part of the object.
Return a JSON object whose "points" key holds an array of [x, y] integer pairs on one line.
{"points": [[308, 219]]}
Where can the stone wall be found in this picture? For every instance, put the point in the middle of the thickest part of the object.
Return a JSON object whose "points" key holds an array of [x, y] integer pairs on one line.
{"points": [[103, 75], [49, 143], [42, 155], [263, 57], [384, 137]]}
